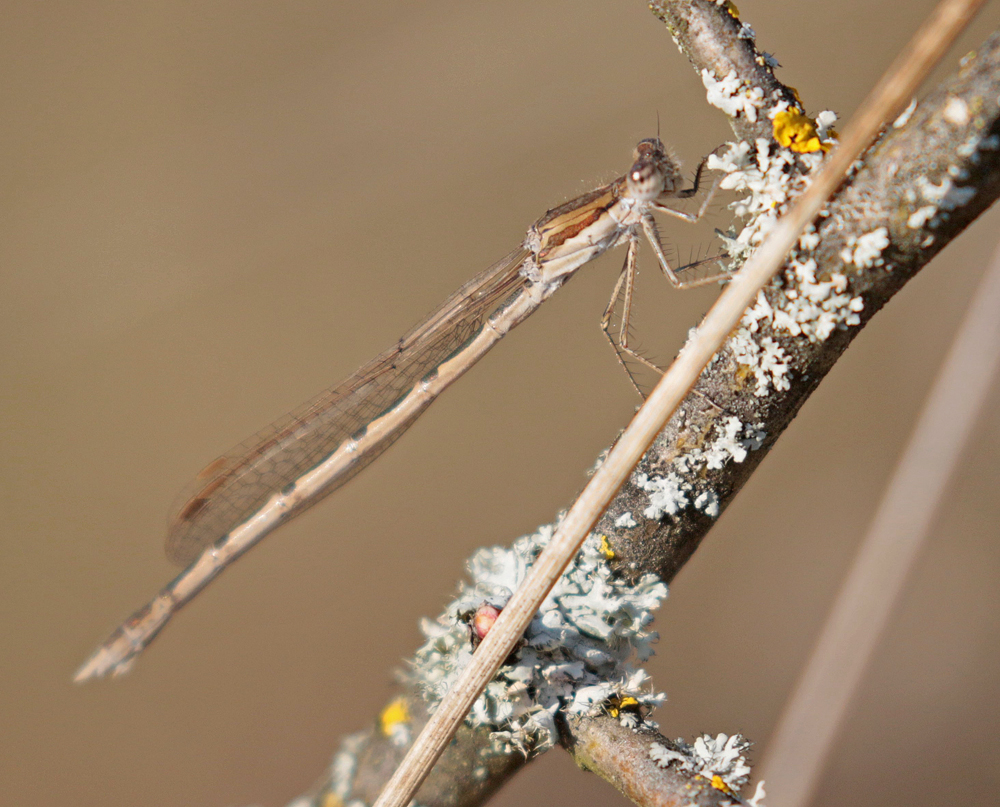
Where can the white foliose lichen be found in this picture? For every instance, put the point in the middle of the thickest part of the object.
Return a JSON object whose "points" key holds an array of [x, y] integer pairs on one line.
{"points": [[768, 182], [865, 251], [934, 201], [919, 218], [946, 195], [763, 358], [576, 654], [671, 493], [805, 306], [813, 308], [625, 521], [708, 502], [722, 756], [732, 95], [771, 176]]}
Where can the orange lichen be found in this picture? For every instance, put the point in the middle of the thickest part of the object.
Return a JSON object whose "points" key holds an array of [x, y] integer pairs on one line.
{"points": [[394, 714], [619, 704], [797, 132], [719, 784]]}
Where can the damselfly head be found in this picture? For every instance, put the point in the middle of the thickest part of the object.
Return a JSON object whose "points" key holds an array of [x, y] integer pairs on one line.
{"points": [[654, 171], [650, 148]]}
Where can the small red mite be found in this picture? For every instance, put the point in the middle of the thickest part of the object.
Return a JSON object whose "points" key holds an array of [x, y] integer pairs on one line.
{"points": [[481, 622]]}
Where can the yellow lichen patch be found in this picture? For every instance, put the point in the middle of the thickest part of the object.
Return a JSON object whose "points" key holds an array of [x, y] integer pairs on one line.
{"points": [[733, 11], [331, 799], [743, 372], [619, 704], [394, 714], [606, 550], [719, 784], [796, 131]]}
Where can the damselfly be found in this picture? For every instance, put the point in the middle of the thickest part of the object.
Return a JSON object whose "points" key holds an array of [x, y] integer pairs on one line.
{"points": [[289, 466]]}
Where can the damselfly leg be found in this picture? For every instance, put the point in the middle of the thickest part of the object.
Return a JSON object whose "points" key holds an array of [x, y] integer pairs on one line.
{"points": [[626, 279]]}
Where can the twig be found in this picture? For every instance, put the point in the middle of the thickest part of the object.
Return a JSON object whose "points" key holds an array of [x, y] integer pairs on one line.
{"points": [[622, 756]]}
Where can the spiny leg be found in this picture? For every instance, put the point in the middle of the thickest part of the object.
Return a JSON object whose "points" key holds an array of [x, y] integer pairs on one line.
{"points": [[652, 233], [626, 278], [653, 236], [693, 190], [688, 217]]}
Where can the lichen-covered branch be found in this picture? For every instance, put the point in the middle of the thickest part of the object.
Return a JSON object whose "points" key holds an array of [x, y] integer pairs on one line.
{"points": [[926, 179], [721, 48], [655, 772], [919, 186]]}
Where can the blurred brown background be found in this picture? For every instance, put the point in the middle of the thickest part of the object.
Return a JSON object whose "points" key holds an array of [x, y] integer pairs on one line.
{"points": [[212, 210]]}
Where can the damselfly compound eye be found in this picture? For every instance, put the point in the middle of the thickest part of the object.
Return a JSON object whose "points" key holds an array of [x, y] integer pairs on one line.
{"points": [[650, 148]]}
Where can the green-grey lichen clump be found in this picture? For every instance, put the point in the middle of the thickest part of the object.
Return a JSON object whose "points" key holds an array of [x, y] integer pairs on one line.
{"points": [[575, 656], [804, 302], [723, 756]]}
